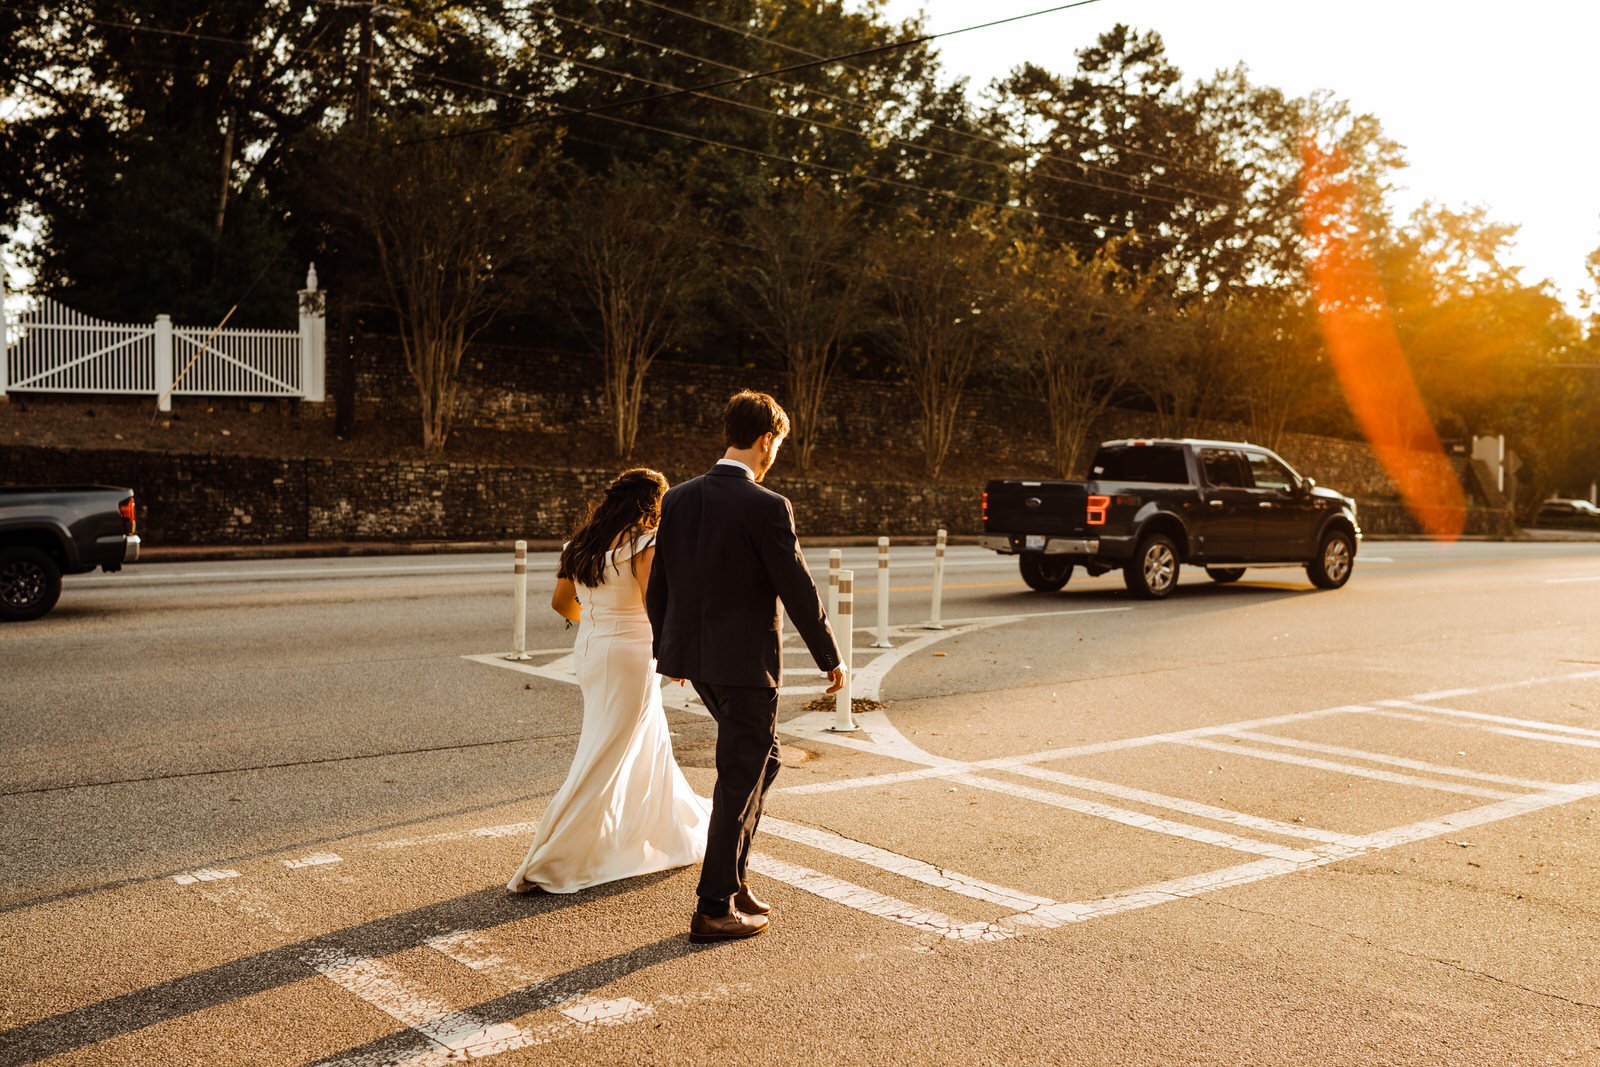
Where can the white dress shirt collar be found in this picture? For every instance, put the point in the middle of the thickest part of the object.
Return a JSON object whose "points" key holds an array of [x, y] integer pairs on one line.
{"points": [[742, 466]]}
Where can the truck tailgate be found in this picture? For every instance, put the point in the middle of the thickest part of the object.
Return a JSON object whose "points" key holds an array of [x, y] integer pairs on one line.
{"points": [[1042, 507]]}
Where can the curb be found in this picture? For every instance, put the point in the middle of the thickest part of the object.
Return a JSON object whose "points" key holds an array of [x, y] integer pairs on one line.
{"points": [[326, 549], [332, 549]]}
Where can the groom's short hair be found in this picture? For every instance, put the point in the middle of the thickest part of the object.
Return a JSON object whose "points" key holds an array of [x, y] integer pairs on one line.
{"points": [[749, 415]]}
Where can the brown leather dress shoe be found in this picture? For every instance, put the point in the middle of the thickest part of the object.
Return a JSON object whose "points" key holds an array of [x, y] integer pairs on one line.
{"points": [[749, 903], [704, 929]]}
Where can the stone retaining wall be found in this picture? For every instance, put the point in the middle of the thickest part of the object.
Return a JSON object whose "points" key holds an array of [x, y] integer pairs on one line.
{"points": [[187, 499]]}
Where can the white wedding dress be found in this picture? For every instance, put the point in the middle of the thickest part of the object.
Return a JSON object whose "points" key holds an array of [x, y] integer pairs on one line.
{"points": [[625, 808]]}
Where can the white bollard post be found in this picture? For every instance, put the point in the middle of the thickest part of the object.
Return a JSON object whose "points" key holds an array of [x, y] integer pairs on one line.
{"points": [[883, 595], [938, 581], [835, 561], [843, 721], [519, 632]]}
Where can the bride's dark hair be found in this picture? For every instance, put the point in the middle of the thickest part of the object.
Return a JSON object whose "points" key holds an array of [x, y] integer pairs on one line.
{"points": [[631, 506]]}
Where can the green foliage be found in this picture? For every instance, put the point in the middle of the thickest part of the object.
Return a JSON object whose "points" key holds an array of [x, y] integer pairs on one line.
{"points": [[184, 156]]}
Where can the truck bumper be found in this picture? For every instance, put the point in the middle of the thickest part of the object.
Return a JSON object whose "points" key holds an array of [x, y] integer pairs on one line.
{"points": [[1012, 544], [130, 550]]}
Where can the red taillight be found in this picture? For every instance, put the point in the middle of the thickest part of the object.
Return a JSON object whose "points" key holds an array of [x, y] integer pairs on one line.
{"points": [[1097, 510], [125, 509], [986, 506]]}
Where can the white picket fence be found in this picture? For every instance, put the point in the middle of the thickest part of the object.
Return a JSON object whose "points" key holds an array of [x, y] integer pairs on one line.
{"points": [[52, 348]]}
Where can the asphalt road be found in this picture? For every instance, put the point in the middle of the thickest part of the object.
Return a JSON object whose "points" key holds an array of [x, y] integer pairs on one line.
{"points": [[261, 812]]}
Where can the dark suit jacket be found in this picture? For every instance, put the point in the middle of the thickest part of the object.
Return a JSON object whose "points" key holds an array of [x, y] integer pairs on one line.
{"points": [[726, 554]]}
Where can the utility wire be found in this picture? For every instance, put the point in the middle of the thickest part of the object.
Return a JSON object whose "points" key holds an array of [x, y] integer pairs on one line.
{"points": [[803, 52], [869, 109], [1099, 227], [817, 122], [892, 46]]}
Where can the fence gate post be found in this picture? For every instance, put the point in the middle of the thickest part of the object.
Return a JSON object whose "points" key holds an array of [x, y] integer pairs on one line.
{"points": [[5, 336], [164, 362], [313, 340]]}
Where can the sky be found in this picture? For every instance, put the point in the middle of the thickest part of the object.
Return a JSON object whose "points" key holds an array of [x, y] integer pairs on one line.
{"points": [[1493, 102]]}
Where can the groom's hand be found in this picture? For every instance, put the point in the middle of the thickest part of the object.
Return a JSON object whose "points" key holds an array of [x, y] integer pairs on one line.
{"points": [[836, 679]]}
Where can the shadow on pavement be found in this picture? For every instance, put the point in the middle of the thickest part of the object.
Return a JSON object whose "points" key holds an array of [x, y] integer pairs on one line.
{"points": [[283, 966]]}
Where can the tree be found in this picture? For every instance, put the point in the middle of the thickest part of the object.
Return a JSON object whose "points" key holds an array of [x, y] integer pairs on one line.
{"points": [[806, 285], [450, 221], [152, 145], [1070, 321], [940, 285], [1278, 358], [633, 245], [1186, 368]]}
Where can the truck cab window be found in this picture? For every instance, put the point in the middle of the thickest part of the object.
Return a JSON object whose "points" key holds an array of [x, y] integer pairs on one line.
{"points": [[1157, 464], [1269, 473], [1225, 469]]}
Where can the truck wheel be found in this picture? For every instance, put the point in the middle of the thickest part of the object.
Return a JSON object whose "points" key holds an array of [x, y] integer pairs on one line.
{"points": [[1152, 573], [1225, 574], [1334, 561], [1043, 573], [30, 583]]}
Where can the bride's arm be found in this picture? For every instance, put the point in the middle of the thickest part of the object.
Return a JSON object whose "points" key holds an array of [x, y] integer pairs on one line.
{"points": [[565, 600]]}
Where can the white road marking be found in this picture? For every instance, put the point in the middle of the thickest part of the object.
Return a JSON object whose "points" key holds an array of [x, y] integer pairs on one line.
{"points": [[882, 739], [316, 859], [514, 829], [905, 866], [811, 727], [205, 875], [1465, 820], [862, 899], [1164, 892], [1188, 807], [1499, 687], [1552, 738], [1347, 768], [1138, 819], [1532, 724], [473, 950], [592, 1011], [459, 1033], [1394, 761]]}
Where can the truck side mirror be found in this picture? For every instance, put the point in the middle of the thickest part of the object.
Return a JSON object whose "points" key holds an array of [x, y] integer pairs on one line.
{"points": [[1307, 485]]}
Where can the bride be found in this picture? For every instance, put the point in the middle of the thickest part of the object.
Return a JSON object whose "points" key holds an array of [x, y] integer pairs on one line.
{"points": [[625, 808]]}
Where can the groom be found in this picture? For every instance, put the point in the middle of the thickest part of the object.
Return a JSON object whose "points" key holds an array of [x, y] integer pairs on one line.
{"points": [[726, 554]]}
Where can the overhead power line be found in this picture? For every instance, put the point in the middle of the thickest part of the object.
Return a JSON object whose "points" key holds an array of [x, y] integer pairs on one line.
{"points": [[748, 35], [860, 53], [821, 123], [869, 109]]}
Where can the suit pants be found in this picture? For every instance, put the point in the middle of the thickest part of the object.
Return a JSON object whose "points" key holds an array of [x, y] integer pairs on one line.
{"points": [[747, 762]]}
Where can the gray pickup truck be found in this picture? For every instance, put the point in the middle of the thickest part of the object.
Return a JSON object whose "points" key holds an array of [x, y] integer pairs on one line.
{"points": [[1153, 505], [48, 531]]}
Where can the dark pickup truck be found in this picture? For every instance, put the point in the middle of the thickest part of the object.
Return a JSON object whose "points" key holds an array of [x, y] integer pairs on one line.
{"points": [[48, 531], [1154, 505]]}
